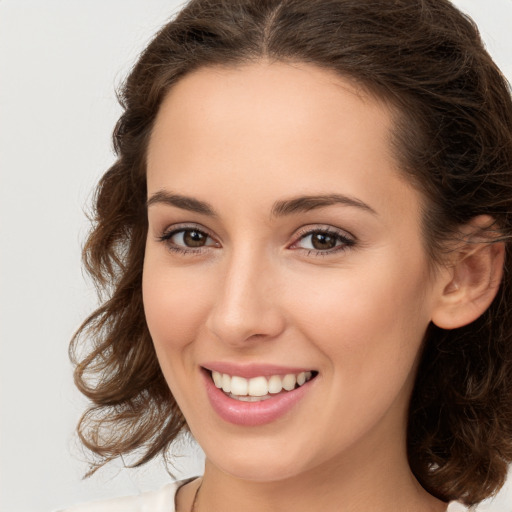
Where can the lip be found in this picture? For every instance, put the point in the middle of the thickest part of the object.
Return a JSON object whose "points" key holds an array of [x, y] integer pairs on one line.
{"points": [[252, 414], [248, 371]]}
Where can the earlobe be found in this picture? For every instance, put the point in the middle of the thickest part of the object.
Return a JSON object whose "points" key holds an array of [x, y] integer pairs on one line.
{"points": [[473, 281]]}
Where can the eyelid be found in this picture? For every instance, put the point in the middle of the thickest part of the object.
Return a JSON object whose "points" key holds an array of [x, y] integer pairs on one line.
{"points": [[324, 228], [348, 240], [182, 226], [174, 229]]}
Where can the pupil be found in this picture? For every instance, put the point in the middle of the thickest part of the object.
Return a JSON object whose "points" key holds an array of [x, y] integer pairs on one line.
{"points": [[194, 238], [322, 241]]}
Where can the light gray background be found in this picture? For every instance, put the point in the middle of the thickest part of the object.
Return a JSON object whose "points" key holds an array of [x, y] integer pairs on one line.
{"points": [[59, 64]]}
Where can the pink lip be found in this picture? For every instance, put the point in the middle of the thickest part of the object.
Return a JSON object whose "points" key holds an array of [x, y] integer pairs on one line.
{"points": [[248, 371], [251, 414]]}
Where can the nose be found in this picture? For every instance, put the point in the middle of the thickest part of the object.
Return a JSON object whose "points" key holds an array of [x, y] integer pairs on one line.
{"points": [[246, 307]]}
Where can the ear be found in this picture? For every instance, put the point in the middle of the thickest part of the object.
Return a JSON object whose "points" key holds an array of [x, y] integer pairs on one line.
{"points": [[473, 277]]}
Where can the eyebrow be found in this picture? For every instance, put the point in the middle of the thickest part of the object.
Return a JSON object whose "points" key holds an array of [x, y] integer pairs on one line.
{"points": [[307, 203], [183, 202], [279, 209]]}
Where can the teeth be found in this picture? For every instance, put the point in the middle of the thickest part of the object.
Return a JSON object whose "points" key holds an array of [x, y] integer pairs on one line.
{"points": [[275, 384], [289, 382], [217, 379], [226, 383], [238, 387], [250, 398], [257, 386]]}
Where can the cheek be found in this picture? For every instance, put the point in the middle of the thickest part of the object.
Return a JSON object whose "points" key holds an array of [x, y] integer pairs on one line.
{"points": [[369, 326], [175, 304], [367, 315]]}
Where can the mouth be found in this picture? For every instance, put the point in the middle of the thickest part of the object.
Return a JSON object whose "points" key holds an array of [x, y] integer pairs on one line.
{"points": [[259, 388], [261, 396]]}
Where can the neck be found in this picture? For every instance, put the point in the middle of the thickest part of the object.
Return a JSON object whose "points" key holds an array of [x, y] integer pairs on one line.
{"points": [[383, 484]]}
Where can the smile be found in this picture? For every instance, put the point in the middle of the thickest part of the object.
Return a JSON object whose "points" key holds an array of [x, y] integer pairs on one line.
{"points": [[259, 388], [264, 394]]}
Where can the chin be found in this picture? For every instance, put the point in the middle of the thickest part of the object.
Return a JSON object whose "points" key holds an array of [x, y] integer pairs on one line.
{"points": [[260, 463], [258, 472]]}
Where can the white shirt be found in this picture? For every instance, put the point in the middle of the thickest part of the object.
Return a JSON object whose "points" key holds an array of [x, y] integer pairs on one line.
{"points": [[153, 501], [161, 501]]}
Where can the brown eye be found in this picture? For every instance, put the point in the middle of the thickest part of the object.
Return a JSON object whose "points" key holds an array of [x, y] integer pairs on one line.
{"points": [[323, 241], [194, 238], [188, 239]]}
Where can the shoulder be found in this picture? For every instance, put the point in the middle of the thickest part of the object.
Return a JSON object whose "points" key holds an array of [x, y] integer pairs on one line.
{"points": [[161, 500]]}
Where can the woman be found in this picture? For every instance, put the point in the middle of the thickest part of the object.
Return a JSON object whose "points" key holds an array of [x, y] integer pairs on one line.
{"points": [[305, 240]]}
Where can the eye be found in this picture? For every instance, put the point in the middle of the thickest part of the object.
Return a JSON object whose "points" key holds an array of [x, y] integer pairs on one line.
{"points": [[188, 239], [322, 241]]}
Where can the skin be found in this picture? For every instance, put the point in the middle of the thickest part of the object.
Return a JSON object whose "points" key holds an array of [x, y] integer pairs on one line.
{"points": [[242, 139]]}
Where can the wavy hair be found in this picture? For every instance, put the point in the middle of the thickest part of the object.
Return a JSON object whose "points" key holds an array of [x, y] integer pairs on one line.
{"points": [[453, 140]]}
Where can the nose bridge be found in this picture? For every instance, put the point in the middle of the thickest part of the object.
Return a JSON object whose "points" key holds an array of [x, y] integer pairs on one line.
{"points": [[245, 305]]}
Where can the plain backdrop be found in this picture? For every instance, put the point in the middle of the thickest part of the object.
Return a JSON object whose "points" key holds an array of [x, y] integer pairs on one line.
{"points": [[60, 62]]}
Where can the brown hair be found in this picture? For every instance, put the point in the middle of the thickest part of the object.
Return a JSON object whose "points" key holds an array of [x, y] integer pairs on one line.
{"points": [[453, 139]]}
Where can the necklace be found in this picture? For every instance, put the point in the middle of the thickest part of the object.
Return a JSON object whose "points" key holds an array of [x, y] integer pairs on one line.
{"points": [[194, 503]]}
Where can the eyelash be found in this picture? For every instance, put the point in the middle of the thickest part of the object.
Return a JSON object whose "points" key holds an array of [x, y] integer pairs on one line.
{"points": [[166, 238], [345, 241]]}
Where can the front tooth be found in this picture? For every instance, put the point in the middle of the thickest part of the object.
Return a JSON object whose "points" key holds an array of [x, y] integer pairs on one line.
{"points": [[217, 379], [301, 378], [239, 386], [275, 384], [226, 383], [289, 382], [258, 386]]}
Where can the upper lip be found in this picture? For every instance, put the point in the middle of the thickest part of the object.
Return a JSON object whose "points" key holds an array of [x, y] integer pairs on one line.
{"points": [[251, 370]]}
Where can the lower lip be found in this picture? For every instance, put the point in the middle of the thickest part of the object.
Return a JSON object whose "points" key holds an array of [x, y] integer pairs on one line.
{"points": [[251, 414]]}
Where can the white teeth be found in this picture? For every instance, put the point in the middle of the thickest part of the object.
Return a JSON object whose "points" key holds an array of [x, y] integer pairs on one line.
{"points": [[289, 382], [226, 383], [275, 384], [217, 379], [239, 386], [258, 387], [250, 398]]}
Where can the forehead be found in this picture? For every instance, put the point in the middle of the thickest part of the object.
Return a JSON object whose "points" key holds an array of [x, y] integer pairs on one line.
{"points": [[276, 128], [263, 102]]}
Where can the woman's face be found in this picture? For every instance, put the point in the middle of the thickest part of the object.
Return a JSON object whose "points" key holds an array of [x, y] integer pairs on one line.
{"points": [[283, 240]]}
